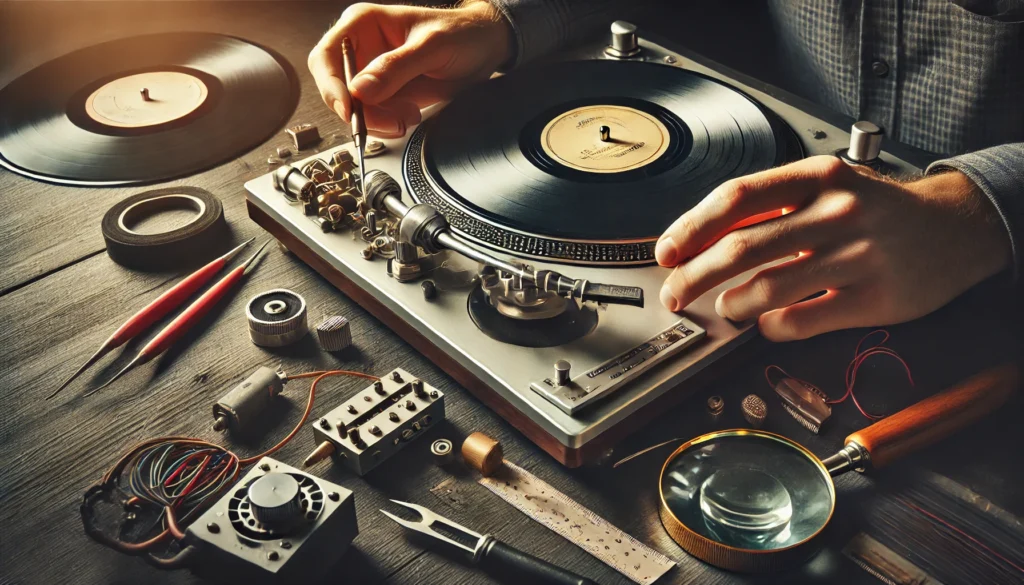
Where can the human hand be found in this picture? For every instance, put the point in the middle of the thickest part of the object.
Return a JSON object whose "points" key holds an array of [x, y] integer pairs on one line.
{"points": [[408, 58], [884, 252]]}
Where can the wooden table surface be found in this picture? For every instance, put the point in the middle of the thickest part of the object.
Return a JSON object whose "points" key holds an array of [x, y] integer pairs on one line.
{"points": [[61, 296]]}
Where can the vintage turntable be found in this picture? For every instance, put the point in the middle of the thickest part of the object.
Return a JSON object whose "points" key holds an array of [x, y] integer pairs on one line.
{"points": [[572, 167]]}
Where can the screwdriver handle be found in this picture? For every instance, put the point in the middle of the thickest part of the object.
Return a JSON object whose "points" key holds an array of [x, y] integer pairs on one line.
{"points": [[196, 311], [164, 304], [499, 558]]}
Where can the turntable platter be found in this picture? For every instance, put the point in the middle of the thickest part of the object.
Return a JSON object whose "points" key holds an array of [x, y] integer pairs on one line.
{"points": [[588, 162]]}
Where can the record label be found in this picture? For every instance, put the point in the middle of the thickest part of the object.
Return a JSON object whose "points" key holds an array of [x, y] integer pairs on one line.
{"points": [[605, 139], [146, 99]]}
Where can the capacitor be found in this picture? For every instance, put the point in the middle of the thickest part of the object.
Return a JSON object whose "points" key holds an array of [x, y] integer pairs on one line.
{"points": [[237, 409], [276, 318], [482, 453]]}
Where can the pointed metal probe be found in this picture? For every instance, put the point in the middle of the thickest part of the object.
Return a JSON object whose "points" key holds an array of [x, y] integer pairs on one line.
{"points": [[356, 121], [188, 318], [156, 310]]}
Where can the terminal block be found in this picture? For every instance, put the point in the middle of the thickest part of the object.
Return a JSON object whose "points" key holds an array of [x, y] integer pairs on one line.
{"points": [[377, 422]]}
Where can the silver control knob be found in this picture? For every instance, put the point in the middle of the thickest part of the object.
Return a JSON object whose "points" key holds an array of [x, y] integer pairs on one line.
{"points": [[865, 142], [562, 373], [624, 42], [276, 501], [405, 253]]}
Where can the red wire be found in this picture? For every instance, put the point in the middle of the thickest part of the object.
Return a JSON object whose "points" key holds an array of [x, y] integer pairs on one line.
{"points": [[960, 532], [859, 357]]}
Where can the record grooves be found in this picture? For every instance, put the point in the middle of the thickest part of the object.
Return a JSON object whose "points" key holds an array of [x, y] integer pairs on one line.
{"points": [[588, 162], [143, 109]]}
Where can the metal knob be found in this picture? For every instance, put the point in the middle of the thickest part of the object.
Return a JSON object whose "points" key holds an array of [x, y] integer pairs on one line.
{"points": [[562, 368], [624, 42], [865, 142], [276, 500], [405, 253]]}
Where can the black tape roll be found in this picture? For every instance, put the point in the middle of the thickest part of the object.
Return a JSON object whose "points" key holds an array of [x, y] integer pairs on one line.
{"points": [[168, 249]]}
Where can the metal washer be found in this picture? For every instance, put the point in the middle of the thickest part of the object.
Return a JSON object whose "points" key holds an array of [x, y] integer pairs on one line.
{"points": [[276, 318]]}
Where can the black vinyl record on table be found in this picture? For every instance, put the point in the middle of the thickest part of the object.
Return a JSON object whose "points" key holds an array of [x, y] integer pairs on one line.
{"points": [[143, 109], [520, 163]]}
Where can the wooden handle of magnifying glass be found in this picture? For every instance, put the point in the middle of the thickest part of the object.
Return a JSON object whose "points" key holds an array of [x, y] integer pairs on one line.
{"points": [[936, 418]]}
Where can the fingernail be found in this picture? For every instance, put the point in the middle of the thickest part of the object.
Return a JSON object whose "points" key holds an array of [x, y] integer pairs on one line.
{"points": [[364, 84], [388, 128], [667, 299], [665, 251]]}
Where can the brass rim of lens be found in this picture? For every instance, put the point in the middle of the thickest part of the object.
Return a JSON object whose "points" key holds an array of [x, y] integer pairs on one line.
{"points": [[731, 557]]}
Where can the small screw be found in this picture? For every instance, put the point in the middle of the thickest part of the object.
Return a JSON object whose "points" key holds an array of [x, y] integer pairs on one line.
{"points": [[393, 417], [367, 254], [324, 424], [352, 409], [396, 376], [286, 545], [333, 496], [715, 405], [378, 387], [670, 59], [375, 430], [273, 556], [434, 394], [410, 405], [213, 527], [265, 467], [368, 398]]}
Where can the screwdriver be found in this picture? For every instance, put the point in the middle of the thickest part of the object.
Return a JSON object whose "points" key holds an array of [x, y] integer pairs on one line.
{"points": [[189, 317], [156, 310], [357, 122]]}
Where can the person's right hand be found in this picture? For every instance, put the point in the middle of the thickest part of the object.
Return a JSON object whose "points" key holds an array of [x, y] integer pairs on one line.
{"points": [[408, 58]]}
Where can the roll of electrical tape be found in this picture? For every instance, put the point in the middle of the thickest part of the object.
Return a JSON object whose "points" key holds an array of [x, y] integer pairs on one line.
{"points": [[168, 249]]}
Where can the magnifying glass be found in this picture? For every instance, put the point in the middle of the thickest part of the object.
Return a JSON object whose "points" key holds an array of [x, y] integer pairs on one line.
{"points": [[753, 501]]}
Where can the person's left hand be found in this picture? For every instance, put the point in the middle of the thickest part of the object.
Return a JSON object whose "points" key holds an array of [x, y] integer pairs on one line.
{"points": [[883, 252]]}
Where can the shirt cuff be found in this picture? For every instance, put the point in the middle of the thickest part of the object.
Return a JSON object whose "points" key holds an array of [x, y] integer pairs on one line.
{"points": [[541, 26], [999, 172]]}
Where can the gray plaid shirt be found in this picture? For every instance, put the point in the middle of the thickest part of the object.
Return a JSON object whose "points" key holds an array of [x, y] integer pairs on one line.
{"points": [[946, 76]]}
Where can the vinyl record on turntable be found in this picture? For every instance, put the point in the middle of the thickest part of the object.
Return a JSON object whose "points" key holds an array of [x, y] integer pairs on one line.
{"points": [[588, 162], [143, 109]]}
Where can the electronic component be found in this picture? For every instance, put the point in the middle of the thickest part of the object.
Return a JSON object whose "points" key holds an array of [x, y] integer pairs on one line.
{"points": [[304, 136], [715, 406], [377, 422], [334, 333], [244, 403], [276, 318], [276, 520], [754, 410], [443, 451], [806, 403], [482, 453]]}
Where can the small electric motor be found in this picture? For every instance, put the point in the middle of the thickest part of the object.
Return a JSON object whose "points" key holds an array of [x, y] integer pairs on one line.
{"points": [[244, 403]]}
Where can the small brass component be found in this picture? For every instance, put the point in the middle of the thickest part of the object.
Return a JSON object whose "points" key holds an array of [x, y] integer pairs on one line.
{"points": [[304, 136], [322, 451], [754, 410], [716, 405], [482, 453]]}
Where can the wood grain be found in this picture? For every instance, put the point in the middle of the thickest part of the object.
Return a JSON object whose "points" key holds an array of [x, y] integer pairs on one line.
{"points": [[61, 296]]}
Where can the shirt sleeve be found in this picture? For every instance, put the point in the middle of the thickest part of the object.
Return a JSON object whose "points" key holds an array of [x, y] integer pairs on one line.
{"points": [[542, 26], [999, 172]]}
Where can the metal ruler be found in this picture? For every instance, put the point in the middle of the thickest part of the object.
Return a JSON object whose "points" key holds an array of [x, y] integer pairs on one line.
{"points": [[585, 529]]}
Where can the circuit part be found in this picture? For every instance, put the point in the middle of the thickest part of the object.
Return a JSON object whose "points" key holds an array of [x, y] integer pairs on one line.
{"points": [[334, 333], [443, 451], [754, 410], [482, 453], [276, 521], [276, 318], [377, 422], [239, 408], [808, 404], [304, 136]]}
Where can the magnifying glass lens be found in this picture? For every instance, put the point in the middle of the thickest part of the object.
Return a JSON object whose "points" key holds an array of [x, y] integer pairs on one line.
{"points": [[748, 490]]}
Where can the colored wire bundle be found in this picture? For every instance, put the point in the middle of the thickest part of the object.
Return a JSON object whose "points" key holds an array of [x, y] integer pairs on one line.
{"points": [[179, 477], [859, 357]]}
